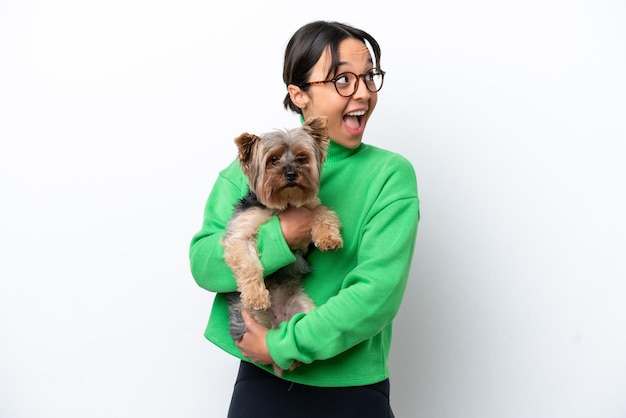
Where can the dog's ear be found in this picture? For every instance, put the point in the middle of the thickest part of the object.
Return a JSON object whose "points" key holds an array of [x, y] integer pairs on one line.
{"points": [[245, 144], [317, 126]]}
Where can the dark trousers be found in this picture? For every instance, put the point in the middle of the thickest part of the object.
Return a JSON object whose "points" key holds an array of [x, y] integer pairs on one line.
{"points": [[259, 394]]}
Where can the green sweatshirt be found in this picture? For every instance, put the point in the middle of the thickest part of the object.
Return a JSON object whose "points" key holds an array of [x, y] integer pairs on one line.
{"points": [[345, 340]]}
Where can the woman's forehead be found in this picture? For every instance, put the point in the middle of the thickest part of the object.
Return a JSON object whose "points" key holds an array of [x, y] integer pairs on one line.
{"points": [[351, 51]]}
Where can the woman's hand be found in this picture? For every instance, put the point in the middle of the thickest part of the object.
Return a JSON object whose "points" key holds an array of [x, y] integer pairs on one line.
{"points": [[296, 226], [252, 344]]}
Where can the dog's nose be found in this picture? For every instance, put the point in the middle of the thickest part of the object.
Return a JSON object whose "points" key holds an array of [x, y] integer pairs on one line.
{"points": [[291, 176]]}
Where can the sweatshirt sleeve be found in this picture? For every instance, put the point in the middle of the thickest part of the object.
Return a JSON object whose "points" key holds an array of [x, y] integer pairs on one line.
{"points": [[206, 254], [371, 292]]}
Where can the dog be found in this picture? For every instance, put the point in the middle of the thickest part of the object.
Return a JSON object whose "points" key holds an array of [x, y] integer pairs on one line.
{"points": [[283, 169]]}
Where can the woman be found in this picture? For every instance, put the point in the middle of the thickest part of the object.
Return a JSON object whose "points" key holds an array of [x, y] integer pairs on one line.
{"points": [[333, 70]]}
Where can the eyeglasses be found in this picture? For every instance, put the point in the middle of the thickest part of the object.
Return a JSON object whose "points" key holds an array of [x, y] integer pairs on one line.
{"points": [[347, 83]]}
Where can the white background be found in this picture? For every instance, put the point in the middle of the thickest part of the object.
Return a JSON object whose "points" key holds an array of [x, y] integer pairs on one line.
{"points": [[116, 116]]}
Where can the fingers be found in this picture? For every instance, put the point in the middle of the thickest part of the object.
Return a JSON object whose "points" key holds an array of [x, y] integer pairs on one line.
{"points": [[252, 344], [246, 315], [251, 324], [248, 320]]}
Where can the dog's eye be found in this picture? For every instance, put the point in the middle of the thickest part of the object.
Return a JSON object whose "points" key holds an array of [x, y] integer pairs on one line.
{"points": [[301, 159], [274, 160]]}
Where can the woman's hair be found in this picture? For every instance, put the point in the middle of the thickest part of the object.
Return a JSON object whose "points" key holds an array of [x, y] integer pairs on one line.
{"points": [[306, 47]]}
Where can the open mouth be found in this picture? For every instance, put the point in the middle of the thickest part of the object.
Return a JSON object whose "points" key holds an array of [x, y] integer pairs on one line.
{"points": [[354, 120]]}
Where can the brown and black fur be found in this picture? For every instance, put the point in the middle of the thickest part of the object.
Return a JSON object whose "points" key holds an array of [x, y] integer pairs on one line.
{"points": [[283, 169]]}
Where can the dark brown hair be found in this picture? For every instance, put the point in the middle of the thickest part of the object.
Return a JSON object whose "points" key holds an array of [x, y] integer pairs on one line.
{"points": [[307, 45]]}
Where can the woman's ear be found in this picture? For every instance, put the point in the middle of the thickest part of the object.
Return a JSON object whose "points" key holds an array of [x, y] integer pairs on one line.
{"points": [[298, 97]]}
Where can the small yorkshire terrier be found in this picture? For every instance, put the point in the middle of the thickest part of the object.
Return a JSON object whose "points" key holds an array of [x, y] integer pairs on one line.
{"points": [[283, 169]]}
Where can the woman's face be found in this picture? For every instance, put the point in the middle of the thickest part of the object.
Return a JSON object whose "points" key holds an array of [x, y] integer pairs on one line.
{"points": [[347, 116]]}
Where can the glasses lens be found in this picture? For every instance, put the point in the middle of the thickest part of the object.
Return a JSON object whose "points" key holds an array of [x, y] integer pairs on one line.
{"points": [[374, 80], [348, 83], [345, 84]]}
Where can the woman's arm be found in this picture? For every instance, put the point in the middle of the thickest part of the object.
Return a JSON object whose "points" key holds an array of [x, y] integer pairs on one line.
{"points": [[206, 253], [371, 292]]}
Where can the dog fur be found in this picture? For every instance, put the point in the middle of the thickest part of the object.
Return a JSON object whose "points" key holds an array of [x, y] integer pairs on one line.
{"points": [[283, 169]]}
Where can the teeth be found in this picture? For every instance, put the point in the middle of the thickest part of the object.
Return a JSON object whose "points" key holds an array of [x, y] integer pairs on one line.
{"points": [[359, 113]]}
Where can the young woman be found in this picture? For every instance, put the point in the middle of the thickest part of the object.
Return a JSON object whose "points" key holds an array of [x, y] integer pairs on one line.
{"points": [[333, 70]]}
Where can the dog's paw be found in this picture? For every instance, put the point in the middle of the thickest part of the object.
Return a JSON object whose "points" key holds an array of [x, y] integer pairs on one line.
{"points": [[257, 301], [329, 243], [277, 370], [326, 231], [295, 364]]}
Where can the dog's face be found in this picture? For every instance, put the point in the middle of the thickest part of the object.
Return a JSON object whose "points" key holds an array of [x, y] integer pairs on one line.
{"points": [[283, 167]]}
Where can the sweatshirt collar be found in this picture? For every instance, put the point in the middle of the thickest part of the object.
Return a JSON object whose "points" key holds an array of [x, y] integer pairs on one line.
{"points": [[338, 152]]}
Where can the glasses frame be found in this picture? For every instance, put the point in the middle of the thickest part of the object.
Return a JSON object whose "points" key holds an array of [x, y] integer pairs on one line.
{"points": [[356, 84]]}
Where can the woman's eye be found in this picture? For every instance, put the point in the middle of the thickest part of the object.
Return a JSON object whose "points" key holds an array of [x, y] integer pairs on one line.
{"points": [[342, 79]]}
